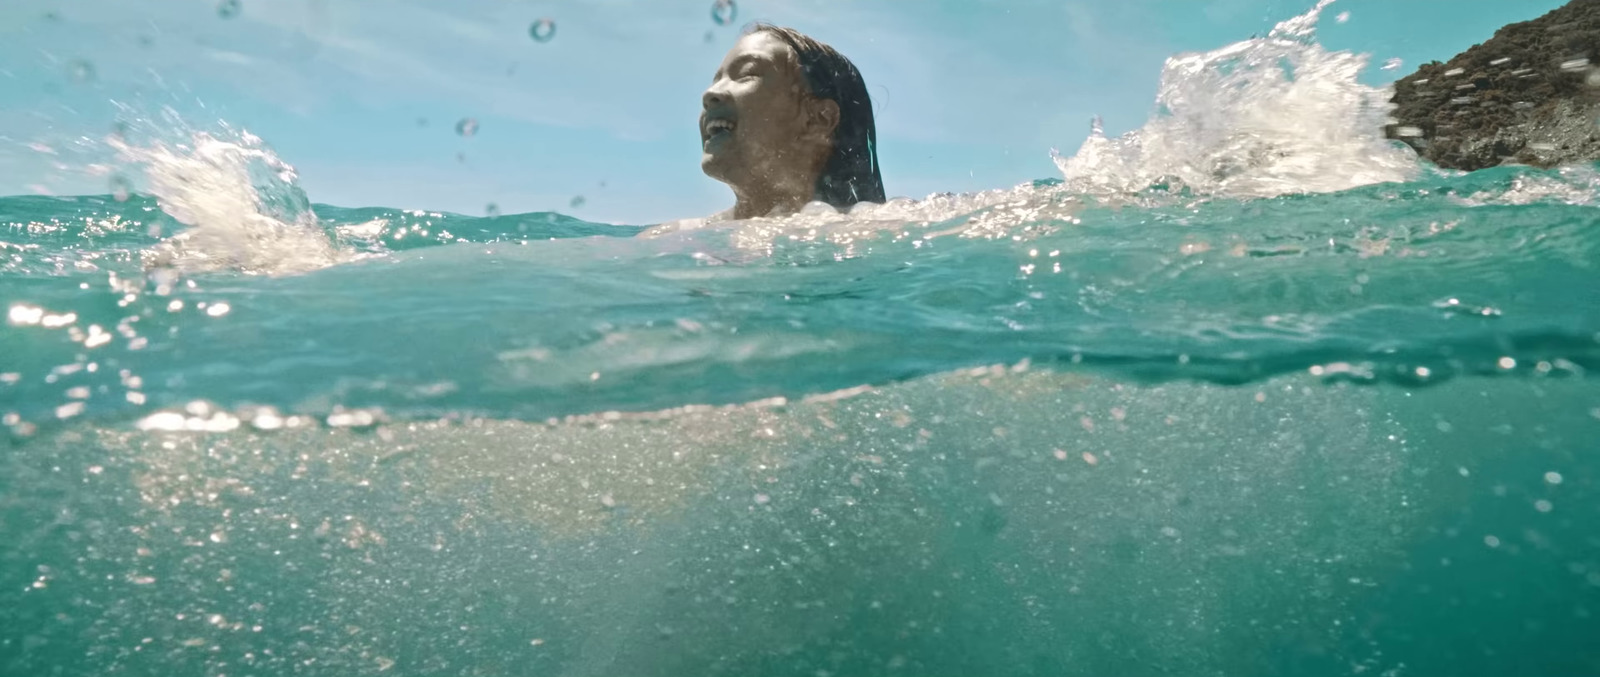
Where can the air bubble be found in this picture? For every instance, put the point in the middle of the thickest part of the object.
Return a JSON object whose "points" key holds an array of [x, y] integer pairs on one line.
{"points": [[1456, 306], [81, 71], [467, 127], [491, 210], [228, 9], [542, 30], [724, 12], [577, 201], [120, 188]]}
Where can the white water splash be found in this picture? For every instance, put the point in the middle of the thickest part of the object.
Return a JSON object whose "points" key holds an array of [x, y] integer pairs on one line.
{"points": [[1267, 116], [242, 204]]}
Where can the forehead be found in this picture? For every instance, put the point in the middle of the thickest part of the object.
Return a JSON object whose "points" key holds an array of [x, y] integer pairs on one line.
{"points": [[760, 45]]}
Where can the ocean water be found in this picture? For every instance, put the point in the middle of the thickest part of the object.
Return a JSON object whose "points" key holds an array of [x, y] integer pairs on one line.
{"points": [[1248, 391]]}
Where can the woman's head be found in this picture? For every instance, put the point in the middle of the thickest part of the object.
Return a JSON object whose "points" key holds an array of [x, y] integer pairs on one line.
{"points": [[788, 120]]}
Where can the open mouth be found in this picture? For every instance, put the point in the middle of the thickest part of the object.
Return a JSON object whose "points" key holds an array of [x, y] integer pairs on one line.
{"points": [[717, 128]]}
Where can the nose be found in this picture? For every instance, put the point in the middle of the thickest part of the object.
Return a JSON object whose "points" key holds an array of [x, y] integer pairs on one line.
{"points": [[713, 96]]}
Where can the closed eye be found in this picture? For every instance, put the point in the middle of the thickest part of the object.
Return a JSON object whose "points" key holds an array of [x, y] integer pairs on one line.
{"points": [[743, 68]]}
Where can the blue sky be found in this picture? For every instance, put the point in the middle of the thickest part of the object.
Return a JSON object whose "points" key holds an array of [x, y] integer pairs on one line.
{"points": [[970, 94]]}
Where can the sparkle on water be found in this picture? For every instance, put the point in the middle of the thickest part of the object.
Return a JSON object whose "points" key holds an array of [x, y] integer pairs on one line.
{"points": [[543, 30]]}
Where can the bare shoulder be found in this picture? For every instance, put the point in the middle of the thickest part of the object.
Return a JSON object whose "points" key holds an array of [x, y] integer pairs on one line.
{"points": [[684, 224]]}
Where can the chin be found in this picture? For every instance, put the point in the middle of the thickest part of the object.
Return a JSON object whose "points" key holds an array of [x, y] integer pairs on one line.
{"points": [[714, 166]]}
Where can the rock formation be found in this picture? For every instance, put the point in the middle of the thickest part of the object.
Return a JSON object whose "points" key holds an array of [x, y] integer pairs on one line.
{"points": [[1530, 95]]}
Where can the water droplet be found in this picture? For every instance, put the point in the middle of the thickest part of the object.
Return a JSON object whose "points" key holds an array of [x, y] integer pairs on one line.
{"points": [[1343, 17], [80, 70], [120, 188], [491, 210], [1543, 506], [710, 36], [1575, 65], [542, 30], [724, 12], [228, 9], [1552, 477], [467, 127], [422, 122], [577, 201], [1393, 64], [1408, 132]]}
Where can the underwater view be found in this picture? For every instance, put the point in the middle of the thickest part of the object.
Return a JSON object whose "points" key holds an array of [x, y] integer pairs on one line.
{"points": [[1250, 389]]}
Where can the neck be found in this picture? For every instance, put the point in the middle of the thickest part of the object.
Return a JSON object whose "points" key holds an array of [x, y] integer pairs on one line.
{"points": [[778, 193]]}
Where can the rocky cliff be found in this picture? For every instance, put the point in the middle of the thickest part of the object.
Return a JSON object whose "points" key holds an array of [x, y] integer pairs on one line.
{"points": [[1529, 95]]}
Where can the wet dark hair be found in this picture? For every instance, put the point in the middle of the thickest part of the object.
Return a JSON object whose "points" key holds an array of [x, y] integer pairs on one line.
{"points": [[851, 174]]}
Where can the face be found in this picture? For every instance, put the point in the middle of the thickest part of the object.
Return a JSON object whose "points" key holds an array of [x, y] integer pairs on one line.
{"points": [[757, 118]]}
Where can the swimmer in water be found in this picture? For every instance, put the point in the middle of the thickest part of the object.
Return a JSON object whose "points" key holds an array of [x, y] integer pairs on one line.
{"points": [[787, 121]]}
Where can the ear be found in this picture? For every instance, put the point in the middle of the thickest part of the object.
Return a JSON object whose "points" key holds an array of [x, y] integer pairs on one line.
{"points": [[824, 118]]}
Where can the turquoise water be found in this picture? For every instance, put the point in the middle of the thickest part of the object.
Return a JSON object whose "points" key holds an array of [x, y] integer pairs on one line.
{"points": [[1248, 391], [1346, 433]]}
